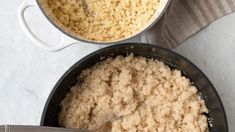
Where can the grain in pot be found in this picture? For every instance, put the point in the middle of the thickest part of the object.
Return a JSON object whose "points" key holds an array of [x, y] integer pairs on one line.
{"points": [[104, 20], [137, 94]]}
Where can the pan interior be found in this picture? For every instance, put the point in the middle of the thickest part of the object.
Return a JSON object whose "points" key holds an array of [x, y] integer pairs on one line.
{"points": [[216, 117]]}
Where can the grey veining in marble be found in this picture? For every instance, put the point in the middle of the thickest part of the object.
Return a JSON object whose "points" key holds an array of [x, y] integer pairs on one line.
{"points": [[28, 73]]}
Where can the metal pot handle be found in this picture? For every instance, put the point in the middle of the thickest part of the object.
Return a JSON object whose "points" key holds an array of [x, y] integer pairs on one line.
{"points": [[21, 128], [64, 42]]}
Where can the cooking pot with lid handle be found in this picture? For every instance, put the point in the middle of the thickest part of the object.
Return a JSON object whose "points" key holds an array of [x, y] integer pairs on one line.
{"points": [[68, 38]]}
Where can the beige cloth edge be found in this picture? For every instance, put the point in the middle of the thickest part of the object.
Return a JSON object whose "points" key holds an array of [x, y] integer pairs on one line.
{"points": [[184, 18]]}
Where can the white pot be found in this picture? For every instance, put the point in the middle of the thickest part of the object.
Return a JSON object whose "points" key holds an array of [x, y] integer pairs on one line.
{"points": [[69, 38]]}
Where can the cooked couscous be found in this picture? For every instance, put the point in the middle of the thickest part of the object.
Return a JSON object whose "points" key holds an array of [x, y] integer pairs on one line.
{"points": [[137, 94], [104, 20]]}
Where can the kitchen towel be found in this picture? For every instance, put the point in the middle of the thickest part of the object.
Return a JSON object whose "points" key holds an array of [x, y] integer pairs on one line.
{"points": [[183, 18]]}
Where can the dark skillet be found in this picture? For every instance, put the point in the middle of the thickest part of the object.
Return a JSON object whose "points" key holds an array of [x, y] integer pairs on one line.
{"points": [[216, 115]]}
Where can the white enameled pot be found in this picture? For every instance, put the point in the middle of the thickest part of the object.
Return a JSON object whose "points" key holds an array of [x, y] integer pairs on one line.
{"points": [[68, 38]]}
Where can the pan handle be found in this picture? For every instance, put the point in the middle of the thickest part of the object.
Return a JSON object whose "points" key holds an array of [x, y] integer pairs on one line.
{"points": [[21, 128], [64, 42]]}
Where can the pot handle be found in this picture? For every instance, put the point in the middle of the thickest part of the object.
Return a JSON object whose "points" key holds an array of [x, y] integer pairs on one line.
{"points": [[64, 42], [21, 128]]}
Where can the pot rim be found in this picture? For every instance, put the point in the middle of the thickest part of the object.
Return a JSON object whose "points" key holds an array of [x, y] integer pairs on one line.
{"points": [[223, 112], [107, 43]]}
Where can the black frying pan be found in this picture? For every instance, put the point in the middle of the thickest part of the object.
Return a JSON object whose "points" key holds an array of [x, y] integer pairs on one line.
{"points": [[216, 115]]}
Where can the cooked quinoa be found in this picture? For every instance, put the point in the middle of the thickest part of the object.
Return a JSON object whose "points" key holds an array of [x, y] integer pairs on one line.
{"points": [[137, 94], [104, 20]]}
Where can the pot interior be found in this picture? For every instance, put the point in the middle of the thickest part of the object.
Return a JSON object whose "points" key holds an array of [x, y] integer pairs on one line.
{"points": [[43, 4], [216, 116]]}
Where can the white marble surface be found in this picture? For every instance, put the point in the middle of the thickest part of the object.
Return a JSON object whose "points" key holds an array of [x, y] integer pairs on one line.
{"points": [[28, 73]]}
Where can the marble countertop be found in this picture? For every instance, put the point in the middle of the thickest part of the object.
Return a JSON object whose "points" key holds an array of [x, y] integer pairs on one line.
{"points": [[29, 73]]}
